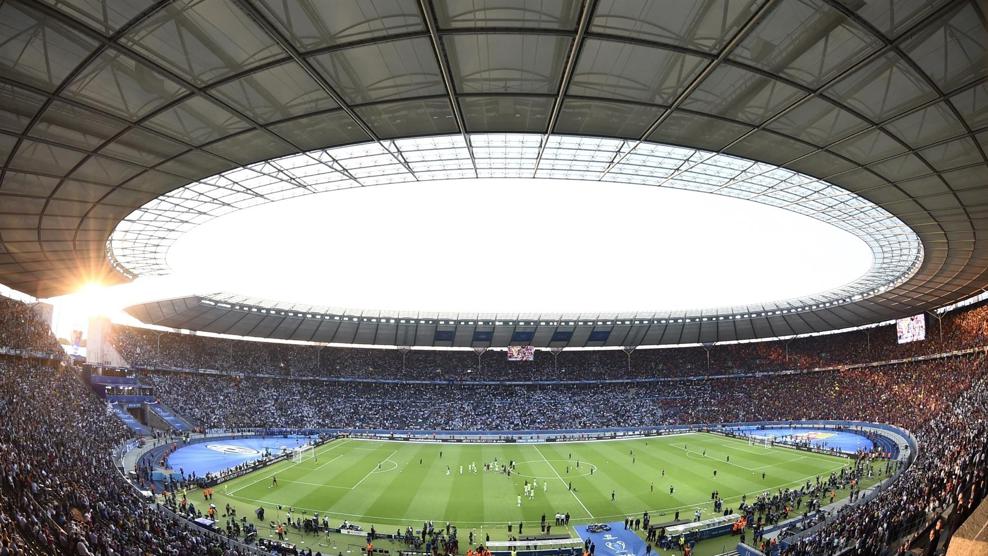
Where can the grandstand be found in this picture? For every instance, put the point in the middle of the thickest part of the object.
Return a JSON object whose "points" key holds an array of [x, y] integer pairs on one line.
{"points": [[634, 277]]}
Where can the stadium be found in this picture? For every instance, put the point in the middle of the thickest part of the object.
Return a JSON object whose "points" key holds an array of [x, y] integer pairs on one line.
{"points": [[493, 277]]}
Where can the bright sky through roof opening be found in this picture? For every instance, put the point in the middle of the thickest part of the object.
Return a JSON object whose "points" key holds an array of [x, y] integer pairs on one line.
{"points": [[518, 246]]}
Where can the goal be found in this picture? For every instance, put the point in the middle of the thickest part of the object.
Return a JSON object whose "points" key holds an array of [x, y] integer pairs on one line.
{"points": [[304, 453], [763, 441]]}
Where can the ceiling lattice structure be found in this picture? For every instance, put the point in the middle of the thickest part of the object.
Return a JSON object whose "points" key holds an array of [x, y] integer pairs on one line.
{"points": [[141, 242], [105, 105]]}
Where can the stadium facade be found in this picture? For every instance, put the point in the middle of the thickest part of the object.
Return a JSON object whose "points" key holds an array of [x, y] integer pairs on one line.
{"points": [[125, 124], [880, 107]]}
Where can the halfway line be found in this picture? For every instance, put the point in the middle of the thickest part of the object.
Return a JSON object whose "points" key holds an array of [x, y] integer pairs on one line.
{"points": [[560, 477]]}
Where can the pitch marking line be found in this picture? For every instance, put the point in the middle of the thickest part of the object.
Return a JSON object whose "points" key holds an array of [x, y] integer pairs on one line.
{"points": [[236, 490], [319, 485], [587, 466], [560, 477], [320, 466], [388, 469], [752, 469], [372, 471], [404, 520]]}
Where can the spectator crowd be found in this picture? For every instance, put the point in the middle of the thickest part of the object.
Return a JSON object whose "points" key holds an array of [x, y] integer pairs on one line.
{"points": [[916, 390], [164, 350], [22, 329], [60, 491]]}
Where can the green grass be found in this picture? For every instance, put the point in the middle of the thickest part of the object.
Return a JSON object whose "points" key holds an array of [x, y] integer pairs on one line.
{"points": [[396, 484]]}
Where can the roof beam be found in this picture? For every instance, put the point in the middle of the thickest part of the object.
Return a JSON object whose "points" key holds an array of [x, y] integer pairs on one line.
{"points": [[105, 43], [255, 14], [729, 47], [429, 16], [586, 10]]}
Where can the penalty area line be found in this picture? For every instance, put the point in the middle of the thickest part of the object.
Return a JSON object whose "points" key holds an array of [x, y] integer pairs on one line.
{"points": [[274, 472], [321, 465]]}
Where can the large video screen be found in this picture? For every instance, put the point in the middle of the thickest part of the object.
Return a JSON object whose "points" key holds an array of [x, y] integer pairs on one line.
{"points": [[521, 353], [911, 329]]}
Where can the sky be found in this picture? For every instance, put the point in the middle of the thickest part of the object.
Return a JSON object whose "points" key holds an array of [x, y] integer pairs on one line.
{"points": [[505, 246]]}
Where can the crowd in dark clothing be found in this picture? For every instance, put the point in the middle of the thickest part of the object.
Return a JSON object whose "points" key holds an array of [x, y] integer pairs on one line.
{"points": [[163, 350], [59, 490], [943, 401], [917, 390], [21, 329], [949, 474], [59, 482]]}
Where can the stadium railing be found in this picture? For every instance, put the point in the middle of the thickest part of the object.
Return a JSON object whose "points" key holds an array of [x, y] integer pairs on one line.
{"points": [[181, 520], [866, 497], [187, 524]]}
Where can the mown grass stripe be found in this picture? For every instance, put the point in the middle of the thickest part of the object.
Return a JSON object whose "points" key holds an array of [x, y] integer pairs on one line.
{"points": [[349, 485]]}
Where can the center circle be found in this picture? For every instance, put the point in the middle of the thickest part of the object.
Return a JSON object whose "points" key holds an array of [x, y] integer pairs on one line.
{"points": [[519, 246], [386, 466], [582, 471]]}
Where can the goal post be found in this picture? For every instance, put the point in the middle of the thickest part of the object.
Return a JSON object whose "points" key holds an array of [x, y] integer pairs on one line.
{"points": [[763, 441], [304, 453]]}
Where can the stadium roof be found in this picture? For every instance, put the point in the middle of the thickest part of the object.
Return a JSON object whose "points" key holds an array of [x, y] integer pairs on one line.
{"points": [[104, 106]]}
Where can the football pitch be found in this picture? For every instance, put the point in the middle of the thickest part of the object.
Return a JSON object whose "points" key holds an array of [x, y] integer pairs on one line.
{"points": [[391, 484]]}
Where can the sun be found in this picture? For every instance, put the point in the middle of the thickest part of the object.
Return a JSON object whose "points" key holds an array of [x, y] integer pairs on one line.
{"points": [[94, 298], [73, 311], [89, 300], [90, 289]]}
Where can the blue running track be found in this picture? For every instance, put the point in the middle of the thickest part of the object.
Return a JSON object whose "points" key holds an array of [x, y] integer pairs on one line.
{"points": [[616, 542], [844, 441], [212, 456]]}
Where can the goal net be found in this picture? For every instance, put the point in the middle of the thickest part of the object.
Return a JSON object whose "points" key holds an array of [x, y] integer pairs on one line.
{"points": [[304, 453], [762, 441]]}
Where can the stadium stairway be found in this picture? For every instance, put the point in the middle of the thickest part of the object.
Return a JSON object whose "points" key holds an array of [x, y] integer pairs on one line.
{"points": [[129, 420], [167, 415], [887, 445]]}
